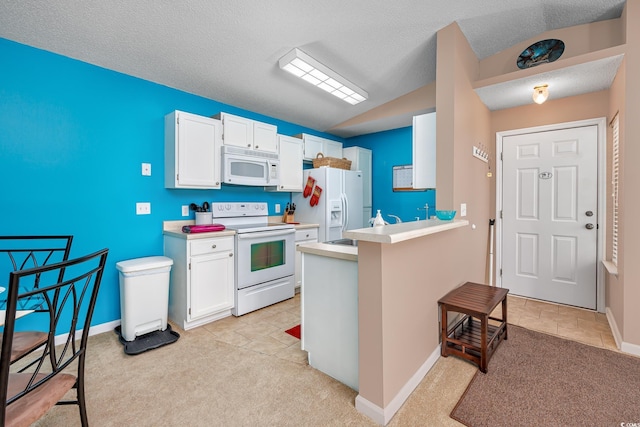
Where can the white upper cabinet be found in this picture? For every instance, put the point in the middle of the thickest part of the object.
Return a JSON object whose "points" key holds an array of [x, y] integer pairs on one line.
{"points": [[424, 151], [332, 149], [314, 145], [192, 151], [290, 154], [248, 134]]}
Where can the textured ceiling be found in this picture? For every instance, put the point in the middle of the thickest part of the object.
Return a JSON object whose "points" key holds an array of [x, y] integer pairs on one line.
{"points": [[228, 51]]}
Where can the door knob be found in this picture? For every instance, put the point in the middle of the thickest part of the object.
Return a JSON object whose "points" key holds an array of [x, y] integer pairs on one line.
{"points": [[588, 213], [589, 226]]}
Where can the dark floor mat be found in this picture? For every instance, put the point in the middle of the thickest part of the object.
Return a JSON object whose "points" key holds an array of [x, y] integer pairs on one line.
{"points": [[148, 341]]}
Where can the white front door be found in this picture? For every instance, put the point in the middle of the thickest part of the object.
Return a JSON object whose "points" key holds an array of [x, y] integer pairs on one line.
{"points": [[549, 203]]}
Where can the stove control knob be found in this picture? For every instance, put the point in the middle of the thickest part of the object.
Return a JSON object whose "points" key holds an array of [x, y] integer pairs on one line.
{"points": [[262, 207], [256, 206], [227, 207]]}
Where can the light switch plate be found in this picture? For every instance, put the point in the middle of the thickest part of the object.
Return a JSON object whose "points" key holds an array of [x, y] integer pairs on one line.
{"points": [[143, 208], [185, 210], [463, 209], [277, 207], [146, 169]]}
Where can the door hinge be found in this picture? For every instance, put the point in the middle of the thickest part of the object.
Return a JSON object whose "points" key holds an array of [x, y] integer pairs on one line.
{"points": [[500, 214], [501, 155], [189, 266], [178, 120], [189, 311], [500, 272]]}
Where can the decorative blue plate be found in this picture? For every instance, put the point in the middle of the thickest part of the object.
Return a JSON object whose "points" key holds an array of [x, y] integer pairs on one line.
{"points": [[540, 53]]}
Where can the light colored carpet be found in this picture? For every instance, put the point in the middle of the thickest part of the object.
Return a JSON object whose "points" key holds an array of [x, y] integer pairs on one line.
{"points": [[199, 381]]}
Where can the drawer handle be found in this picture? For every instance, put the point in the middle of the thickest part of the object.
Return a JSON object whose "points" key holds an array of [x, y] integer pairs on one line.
{"points": [[213, 246]]}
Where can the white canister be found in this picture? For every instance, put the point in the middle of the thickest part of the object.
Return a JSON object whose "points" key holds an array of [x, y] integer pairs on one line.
{"points": [[204, 218]]}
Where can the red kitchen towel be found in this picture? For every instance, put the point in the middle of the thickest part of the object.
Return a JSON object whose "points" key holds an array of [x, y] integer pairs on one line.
{"points": [[203, 228]]}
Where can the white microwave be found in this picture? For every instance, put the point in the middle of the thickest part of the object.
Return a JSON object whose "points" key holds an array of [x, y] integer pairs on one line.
{"points": [[249, 167]]}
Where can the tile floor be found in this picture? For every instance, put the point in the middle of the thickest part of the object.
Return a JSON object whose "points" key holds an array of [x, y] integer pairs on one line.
{"points": [[586, 326], [263, 330]]}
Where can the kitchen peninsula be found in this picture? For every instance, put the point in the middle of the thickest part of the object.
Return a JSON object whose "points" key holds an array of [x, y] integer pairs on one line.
{"points": [[402, 271]]}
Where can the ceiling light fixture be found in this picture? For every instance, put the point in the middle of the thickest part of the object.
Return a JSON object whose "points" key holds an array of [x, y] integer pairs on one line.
{"points": [[308, 69], [540, 93]]}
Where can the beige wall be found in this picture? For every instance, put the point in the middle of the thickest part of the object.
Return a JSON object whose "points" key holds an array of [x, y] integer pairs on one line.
{"points": [[462, 122], [630, 226], [401, 283], [614, 291], [578, 40], [398, 290]]}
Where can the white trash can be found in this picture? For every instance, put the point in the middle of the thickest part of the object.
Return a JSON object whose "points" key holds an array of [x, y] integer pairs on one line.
{"points": [[144, 295]]}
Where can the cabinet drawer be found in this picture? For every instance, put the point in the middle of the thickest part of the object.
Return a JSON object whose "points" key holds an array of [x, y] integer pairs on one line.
{"points": [[207, 246], [306, 234]]}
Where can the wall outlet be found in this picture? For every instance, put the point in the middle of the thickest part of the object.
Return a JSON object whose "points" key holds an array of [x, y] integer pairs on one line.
{"points": [[277, 207], [143, 208], [185, 210], [146, 169], [463, 209]]}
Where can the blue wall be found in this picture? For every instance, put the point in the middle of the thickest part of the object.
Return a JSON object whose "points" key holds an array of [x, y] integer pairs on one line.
{"points": [[72, 140], [393, 148]]}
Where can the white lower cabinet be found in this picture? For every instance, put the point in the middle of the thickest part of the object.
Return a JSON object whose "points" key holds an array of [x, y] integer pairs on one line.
{"points": [[306, 235], [202, 279]]}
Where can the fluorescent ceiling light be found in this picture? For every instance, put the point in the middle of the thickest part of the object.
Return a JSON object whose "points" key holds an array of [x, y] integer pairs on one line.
{"points": [[302, 65]]}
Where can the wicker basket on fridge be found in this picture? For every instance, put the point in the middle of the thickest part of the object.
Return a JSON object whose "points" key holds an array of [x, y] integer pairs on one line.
{"points": [[332, 162]]}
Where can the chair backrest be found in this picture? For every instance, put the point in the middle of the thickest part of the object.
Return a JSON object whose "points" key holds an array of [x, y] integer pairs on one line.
{"points": [[67, 291], [22, 252]]}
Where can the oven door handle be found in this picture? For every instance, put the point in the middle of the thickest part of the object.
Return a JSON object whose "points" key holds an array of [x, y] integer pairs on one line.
{"points": [[266, 234]]}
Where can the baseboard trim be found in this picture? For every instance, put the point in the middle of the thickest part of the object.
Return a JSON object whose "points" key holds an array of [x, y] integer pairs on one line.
{"points": [[382, 416], [94, 330], [614, 328], [625, 347]]}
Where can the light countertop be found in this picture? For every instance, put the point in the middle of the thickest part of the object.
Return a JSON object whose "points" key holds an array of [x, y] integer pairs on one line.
{"points": [[395, 233], [345, 252], [174, 228]]}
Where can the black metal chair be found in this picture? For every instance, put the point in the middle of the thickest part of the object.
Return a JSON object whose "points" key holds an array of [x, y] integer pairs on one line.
{"points": [[69, 290], [22, 252]]}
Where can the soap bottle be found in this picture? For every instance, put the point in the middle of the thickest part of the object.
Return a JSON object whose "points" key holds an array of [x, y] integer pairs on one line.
{"points": [[378, 220]]}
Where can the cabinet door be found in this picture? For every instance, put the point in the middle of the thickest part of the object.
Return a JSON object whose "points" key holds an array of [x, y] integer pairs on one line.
{"points": [[212, 283], [332, 149], [265, 137], [312, 146], [290, 163], [195, 152], [237, 131], [424, 151], [303, 236]]}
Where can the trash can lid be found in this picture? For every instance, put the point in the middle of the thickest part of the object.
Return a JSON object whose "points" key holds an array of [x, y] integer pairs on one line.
{"points": [[146, 263]]}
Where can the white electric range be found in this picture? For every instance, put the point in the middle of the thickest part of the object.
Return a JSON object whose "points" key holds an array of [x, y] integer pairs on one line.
{"points": [[265, 255]]}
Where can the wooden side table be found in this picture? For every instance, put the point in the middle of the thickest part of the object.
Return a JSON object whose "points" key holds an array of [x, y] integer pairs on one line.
{"points": [[472, 337]]}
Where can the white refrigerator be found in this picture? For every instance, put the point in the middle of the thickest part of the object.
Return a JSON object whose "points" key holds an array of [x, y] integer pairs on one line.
{"points": [[339, 205]]}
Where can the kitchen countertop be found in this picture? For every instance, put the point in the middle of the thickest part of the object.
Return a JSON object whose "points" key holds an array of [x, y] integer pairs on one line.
{"points": [[395, 233], [174, 228], [277, 219], [345, 252]]}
